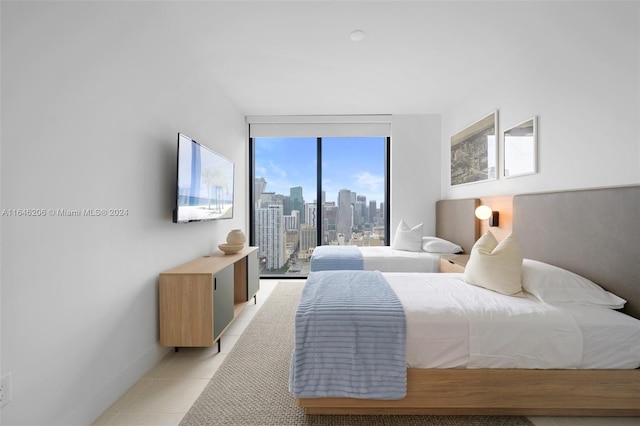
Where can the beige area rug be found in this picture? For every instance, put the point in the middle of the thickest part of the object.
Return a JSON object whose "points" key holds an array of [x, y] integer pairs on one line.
{"points": [[251, 385]]}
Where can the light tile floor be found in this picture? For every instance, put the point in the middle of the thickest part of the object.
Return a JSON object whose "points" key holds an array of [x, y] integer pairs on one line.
{"points": [[164, 395]]}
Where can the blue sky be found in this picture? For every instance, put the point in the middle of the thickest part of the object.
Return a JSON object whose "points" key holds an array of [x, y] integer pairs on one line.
{"points": [[352, 163]]}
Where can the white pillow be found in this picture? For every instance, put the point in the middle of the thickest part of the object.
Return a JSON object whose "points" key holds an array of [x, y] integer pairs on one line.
{"points": [[439, 245], [406, 238], [495, 266], [555, 285]]}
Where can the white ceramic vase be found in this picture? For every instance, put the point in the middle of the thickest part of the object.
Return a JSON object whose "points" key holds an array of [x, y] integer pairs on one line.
{"points": [[236, 237]]}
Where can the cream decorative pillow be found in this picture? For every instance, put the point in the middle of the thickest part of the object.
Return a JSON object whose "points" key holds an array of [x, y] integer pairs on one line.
{"points": [[496, 266], [406, 238]]}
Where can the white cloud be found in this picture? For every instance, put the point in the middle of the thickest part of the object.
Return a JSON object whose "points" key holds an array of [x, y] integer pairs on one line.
{"points": [[277, 170], [369, 181]]}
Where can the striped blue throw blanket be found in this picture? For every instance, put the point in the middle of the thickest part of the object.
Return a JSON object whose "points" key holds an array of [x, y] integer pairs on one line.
{"points": [[330, 258], [350, 333]]}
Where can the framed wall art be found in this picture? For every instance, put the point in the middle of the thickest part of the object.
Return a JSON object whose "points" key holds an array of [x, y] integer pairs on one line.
{"points": [[520, 149], [474, 152]]}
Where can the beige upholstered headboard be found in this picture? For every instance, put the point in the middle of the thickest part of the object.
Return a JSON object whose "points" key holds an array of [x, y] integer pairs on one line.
{"points": [[594, 233], [456, 222]]}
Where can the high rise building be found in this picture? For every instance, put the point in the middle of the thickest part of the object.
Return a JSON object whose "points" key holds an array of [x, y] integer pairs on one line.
{"points": [[259, 186], [269, 198], [345, 215], [292, 221], [360, 216], [297, 201], [266, 198], [329, 222], [311, 214], [286, 203], [372, 211], [308, 238], [270, 236], [291, 242]]}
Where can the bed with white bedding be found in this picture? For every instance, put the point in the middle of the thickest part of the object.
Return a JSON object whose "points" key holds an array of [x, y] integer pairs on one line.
{"points": [[388, 259], [448, 324], [465, 362], [457, 229], [376, 258], [452, 324]]}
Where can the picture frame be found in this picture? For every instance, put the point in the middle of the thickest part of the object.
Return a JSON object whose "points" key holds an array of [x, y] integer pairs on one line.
{"points": [[474, 152], [520, 146]]}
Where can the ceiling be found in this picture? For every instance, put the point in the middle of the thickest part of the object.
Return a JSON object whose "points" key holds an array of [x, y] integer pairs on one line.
{"points": [[297, 57], [417, 57]]}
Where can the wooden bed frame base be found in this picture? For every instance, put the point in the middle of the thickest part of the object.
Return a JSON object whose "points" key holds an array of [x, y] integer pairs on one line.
{"points": [[501, 392]]}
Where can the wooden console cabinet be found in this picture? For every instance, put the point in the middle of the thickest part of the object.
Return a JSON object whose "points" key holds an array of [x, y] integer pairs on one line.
{"points": [[199, 299]]}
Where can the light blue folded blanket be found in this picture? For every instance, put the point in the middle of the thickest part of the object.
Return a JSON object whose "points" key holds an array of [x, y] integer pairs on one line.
{"points": [[350, 333], [331, 258]]}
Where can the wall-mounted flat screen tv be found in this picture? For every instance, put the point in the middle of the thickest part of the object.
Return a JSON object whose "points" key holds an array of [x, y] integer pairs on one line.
{"points": [[204, 183]]}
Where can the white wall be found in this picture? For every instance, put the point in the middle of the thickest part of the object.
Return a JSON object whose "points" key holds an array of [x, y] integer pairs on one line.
{"points": [[90, 116], [578, 72], [415, 170], [93, 95]]}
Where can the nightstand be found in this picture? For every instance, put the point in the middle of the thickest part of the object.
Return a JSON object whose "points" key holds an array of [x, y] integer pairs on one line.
{"points": [[453, 262]]}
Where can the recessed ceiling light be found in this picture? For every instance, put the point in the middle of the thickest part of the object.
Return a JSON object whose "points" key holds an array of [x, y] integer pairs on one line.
{"points": [[357, 35]]}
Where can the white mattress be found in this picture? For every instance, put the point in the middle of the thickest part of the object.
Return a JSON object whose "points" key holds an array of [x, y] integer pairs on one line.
{"points": [[386, 259], [451, 324]]}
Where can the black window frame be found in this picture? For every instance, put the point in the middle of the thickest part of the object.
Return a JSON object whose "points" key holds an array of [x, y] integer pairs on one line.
{"points": [[319, 230]]}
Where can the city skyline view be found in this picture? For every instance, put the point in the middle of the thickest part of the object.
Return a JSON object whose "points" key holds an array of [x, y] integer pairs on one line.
{"points": [[355, 163], [289, 222]]}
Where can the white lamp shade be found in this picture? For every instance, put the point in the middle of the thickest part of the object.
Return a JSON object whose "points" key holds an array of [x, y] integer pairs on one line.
{"points": [[483, 212]]}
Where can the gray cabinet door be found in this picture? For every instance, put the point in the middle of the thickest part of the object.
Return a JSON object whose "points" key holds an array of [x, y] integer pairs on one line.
{"points": [[222, 300], [253, 277]]}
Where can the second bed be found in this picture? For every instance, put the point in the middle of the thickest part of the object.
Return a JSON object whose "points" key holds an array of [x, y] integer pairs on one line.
{"points": [[456, 226]]}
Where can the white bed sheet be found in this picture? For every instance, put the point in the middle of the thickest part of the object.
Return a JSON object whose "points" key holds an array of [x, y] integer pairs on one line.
{"points": [[451, 324], [386, 259], [611, 338]]}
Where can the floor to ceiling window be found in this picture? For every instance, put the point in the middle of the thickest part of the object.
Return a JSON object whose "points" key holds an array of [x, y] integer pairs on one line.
{"points": [[283, 174], [354, 188], [315, 190]]}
